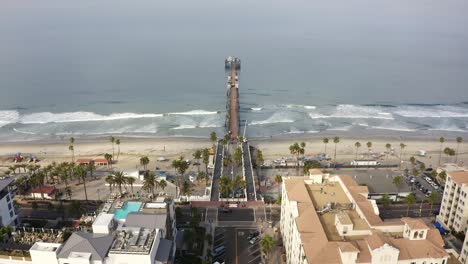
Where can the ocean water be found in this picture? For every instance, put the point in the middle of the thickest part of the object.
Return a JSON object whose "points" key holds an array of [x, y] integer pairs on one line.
{"points": [[155, 68]]}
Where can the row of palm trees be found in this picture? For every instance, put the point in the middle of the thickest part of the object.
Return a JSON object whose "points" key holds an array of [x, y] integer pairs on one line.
{"points": [[150, 183], [114, 141], [228, 185], [294, 149], [54, 173]]}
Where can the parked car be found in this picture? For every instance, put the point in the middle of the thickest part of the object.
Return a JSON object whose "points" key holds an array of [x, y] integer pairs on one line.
{"points": [[254, 240], [253, 234]]}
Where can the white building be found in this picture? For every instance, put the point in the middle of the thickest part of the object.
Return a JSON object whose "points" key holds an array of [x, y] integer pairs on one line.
{"points": [[103, 224], [453, 213], [45, 253], [146, 237], [364, 163], [333, 221], [7, 210]]}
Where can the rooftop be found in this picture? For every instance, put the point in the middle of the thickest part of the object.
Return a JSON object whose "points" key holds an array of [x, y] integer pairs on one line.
{"points": [[103, 219], [144, 220], [459, 177], [332, 199], [5, 182], [49, 247], [319, 204], [96, 244], [133, 240]]}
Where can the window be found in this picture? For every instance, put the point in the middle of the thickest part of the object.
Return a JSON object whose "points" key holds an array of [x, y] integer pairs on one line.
{"points": [[11, 213], [9, 206]]}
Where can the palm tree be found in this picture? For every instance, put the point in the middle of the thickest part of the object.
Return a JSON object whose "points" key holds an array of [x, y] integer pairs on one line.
{"points": [[82, 175], [38, 180], [72, 150], [238, 156], [181, 167], [120, 179], [459, 141], [112, 140], [441, 140], [325, 142], [388, 146], [108, 157], [402, 147], [110, 181], [443, 175], [336, 140], [149, 183], [197, 155], [213, 137], [162, 184], [68, 191], [225, 186], [369, 145], [447, 151], [409, 200], [357, 145], [91, 167], [278, 180], [433, 198], [144, 161], [130, 181], [297, 149], [398, 182], [186, 190], [206, 158], [385, 200], [267, 243], [117, 142]]}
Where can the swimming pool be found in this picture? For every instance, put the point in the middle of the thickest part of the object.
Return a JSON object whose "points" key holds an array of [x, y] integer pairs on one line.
{"points": [[121, 214]]}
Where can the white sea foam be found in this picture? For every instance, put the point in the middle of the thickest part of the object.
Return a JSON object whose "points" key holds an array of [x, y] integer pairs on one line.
{"points": [[184, 127], [8, 117], [440, 111], [48, 117], [278, 117], [395, 128], [195, 112], [23, 132], [256, 109], [301, 132], [300, 106], [343, 128], [354, 112]]}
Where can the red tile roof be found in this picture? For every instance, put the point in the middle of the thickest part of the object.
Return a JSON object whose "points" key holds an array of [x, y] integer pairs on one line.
{"points": [[49, 190]]}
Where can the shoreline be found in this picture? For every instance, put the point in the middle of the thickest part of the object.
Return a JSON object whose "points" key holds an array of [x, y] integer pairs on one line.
{"points": [[347, 135]]}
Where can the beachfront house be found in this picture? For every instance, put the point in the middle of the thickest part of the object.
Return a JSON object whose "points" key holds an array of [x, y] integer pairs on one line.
{"points": [[48, 192], [97, 162]]}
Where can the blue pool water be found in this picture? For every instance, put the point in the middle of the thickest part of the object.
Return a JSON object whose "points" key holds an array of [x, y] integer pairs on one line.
{"points": [[129, 207]]}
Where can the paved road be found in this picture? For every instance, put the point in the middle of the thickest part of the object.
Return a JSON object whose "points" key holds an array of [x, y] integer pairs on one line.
{"points": [[248, 172], [237, 215], [217, 171]]}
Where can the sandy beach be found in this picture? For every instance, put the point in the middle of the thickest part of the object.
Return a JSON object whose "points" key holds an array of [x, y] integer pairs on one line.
{"points": [[131, 149]]}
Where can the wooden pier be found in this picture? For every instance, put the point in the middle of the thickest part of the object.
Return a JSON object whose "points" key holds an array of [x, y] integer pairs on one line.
{"points": [[232, 107]]}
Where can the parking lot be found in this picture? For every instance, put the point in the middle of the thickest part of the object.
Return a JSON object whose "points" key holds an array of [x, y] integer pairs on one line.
{"points": [[238, 249], [422, 187]]}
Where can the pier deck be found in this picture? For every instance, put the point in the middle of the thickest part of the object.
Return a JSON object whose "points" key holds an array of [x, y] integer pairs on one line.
{"points": [[232, 124]]}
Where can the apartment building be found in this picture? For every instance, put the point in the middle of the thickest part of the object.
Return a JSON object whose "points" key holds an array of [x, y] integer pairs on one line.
{"points": [[8, 214], [453, 213], [329, 219]]}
